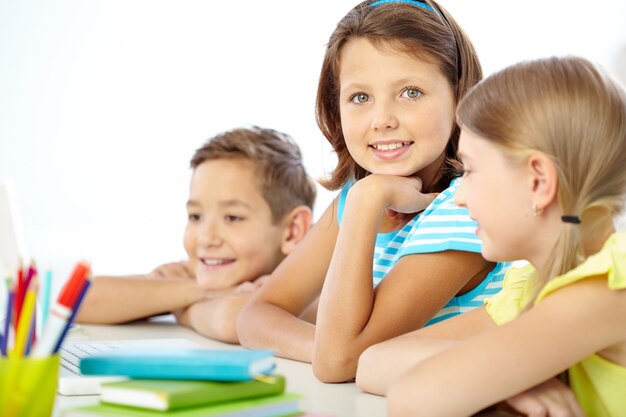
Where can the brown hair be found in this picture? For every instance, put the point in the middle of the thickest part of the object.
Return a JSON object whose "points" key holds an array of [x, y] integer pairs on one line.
{"points": [[278, 161], [574, 113], [425, 34]]}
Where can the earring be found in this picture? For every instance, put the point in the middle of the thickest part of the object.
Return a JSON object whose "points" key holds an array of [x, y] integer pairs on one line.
{"points": [[536, 210]]}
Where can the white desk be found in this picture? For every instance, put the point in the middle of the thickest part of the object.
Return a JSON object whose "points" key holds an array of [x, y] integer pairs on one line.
{"points": [[340, 400]]}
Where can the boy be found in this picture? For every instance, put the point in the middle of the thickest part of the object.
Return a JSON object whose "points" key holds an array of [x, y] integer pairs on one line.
{"points": [[250, 202]]}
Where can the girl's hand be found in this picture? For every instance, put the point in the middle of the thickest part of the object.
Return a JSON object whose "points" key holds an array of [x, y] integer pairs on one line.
{"points": [[173, 270], [401, 195], [550, 399]]}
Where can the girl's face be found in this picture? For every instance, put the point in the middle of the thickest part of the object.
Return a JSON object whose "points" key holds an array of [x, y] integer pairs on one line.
{"points": [[497, 193], [397, 111]]}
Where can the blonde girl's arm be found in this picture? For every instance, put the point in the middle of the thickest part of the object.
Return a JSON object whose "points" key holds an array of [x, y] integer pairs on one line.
{"points": [[272, 318], [352, 315], [382, 364], [564, 328]]}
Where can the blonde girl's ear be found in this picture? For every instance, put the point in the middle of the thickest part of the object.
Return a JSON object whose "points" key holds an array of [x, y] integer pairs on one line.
{"points": [[296, 225], [543, 180]]}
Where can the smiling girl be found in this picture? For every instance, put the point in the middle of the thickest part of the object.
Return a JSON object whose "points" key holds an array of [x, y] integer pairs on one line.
{"points": [[393, 252]]}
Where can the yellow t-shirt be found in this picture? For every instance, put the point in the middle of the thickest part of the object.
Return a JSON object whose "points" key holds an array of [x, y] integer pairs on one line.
{"points": [[599, 385]]}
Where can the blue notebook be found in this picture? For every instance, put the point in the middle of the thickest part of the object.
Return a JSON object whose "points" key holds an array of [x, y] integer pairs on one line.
{"points": [[200, 364]]}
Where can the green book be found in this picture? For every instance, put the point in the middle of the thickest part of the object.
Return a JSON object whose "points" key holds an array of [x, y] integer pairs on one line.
{"points": [[273, 406], [159, 394]]}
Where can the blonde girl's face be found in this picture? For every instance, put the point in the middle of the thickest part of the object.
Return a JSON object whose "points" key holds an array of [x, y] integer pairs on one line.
{"points": [[497, 193], [397, 111]]}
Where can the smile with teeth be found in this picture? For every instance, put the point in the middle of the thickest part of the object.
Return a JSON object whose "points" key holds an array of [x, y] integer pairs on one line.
{"points": [[389, 146], [215, 262]]}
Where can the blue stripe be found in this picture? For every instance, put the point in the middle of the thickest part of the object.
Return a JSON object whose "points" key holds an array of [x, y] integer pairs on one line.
{"points": [[491, 291], [451, 209], [442, 318], [442, 235], [388, 250], [385, 262], [451, 223], [440, 247]]}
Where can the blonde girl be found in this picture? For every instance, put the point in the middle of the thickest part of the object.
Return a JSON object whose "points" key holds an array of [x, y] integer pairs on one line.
{"points": [[543, 149]]}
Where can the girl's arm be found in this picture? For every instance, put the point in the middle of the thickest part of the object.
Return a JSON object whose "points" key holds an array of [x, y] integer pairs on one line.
{"points": [[382, 364], [567, 326], [272, 318], [352, 316], [112, 300]]}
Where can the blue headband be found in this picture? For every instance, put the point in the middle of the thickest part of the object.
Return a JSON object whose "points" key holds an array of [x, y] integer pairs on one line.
{"points": [[413, 2]]}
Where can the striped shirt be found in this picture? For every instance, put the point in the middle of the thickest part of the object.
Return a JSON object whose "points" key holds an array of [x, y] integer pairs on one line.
{"points": [[442, 226]]}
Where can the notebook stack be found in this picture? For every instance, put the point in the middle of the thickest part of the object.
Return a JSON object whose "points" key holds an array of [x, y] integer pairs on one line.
{"points": [[188, 383]]}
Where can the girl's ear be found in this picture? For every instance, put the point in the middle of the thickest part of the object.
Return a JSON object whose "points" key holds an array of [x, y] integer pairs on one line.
{"points": [[544, 180], [296, 224]]}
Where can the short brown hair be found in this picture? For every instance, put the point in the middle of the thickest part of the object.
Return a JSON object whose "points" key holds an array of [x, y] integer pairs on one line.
{"points": [[427, 34], [283, 180]]}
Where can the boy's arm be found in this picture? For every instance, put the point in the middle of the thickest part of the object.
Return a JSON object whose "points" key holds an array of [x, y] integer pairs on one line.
{"points": [[215, 318], [273, 317], [180, 269], [112, 300], [566, 327]]}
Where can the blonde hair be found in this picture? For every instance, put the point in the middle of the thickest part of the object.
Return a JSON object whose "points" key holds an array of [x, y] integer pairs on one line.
{"points": [[573, 112]]}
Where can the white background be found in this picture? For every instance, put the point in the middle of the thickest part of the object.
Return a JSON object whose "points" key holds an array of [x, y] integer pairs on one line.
{"points": [[102, 103]]}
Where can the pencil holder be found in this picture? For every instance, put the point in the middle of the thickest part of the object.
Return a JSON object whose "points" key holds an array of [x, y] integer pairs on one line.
{"points": [[28, 386]]}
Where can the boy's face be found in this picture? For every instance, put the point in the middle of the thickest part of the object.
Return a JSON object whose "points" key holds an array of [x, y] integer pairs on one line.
{"points": [[230, 237]]}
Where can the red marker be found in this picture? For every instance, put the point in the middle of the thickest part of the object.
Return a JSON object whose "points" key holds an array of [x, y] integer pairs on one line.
{"points": [[61, 312]]}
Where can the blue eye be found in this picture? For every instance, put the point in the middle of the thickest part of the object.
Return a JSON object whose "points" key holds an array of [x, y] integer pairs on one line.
{"points": [[359, 98], [411, 93]]}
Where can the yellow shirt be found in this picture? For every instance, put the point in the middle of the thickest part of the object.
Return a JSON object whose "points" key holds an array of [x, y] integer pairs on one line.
{"points": [[599, 385]]}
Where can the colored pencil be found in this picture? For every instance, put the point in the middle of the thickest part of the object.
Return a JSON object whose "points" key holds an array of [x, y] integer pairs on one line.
{"points": [[9, 316], [73, 315], [45, 297], [26, 318], [61, 312], [20, 292]]}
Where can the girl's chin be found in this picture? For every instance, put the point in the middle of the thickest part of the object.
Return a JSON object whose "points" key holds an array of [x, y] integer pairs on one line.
{"points": [[393, 172], [488, 253]]}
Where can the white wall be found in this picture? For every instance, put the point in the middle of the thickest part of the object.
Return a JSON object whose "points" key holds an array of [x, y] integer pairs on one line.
{"points": [[103, 102]]}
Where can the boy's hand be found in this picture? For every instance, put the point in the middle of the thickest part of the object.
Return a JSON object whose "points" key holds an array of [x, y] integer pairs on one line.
{"points": [[552, 398], [173, 270], [251, 286], [182, 316]]}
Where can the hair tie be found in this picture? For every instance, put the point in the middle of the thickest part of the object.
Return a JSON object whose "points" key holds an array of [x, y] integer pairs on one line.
{"points": [[417, 3], [570, 219]]}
